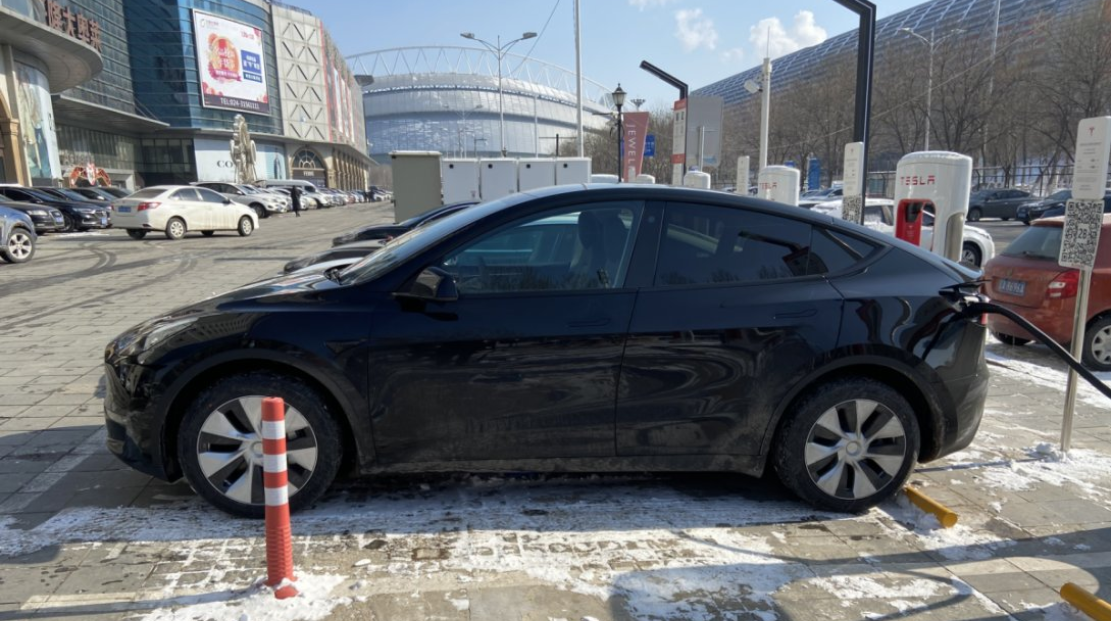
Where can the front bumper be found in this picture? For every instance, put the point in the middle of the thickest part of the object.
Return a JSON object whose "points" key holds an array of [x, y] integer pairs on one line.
{"points": [[130, 418]]}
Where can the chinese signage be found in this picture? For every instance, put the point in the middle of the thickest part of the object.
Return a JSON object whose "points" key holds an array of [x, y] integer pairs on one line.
{"points": [[72, 23], [230, 63]]}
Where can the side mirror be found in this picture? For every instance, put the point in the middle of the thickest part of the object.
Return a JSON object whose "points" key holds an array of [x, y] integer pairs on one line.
{"points": [[432, 285], [227, 201]]}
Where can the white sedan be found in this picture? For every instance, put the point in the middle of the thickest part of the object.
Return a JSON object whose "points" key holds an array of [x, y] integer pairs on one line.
{"points": [[976, 247], [177, 209]]}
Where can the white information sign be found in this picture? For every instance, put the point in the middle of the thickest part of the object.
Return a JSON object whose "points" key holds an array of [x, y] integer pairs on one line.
{"points": [[1090, 161], [742, 184], [854, 170], [1081, 233]]}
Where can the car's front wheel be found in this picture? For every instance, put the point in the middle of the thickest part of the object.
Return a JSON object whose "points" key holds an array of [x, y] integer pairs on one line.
{"points": [[974, 215], [848, 445], [136, 233], [20, 247], [221, 450], [246, 227], [971, 254]]}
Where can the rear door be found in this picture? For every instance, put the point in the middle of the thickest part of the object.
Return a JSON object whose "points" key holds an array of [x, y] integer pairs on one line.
{"points": [[185, 204], [737, 312], [220, 216]]}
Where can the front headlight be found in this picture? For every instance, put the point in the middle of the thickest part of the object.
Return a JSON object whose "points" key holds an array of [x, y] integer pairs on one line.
{"points": [[37, 212]]}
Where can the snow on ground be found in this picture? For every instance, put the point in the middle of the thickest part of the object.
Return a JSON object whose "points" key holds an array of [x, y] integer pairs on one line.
{"points": [[257, 603], [1039, 366]]}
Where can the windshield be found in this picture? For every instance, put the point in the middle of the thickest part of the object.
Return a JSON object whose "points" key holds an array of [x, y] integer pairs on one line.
{"points": [[416, 241], [1037, 242]]}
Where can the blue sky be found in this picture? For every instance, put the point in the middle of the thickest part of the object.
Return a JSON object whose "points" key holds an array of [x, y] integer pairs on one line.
{"points": [[699, 41]]}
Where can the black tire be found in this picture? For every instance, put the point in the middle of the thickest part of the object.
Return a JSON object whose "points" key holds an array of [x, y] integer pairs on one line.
{"points": [[1008, 339], [882, 463], [20, 247], [245, 227], [971, 254], [974, 215], [1095, 354], [1005, 218], [208, 233], [136, 233], [260, 211], [1027, 222], [316, 429], [175, 229], [67, 223]]}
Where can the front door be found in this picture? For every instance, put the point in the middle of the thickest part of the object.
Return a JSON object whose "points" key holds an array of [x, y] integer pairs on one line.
{"points": [[525, 364], [736, 315]]}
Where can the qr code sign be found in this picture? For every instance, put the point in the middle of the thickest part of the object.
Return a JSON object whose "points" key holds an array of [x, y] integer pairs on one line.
{"points": [[851, 209], [1081, 234]]}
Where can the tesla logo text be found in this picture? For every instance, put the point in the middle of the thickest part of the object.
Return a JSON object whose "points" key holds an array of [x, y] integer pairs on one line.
{"points": [[1092, 128], [769, 185], [917, 180]]}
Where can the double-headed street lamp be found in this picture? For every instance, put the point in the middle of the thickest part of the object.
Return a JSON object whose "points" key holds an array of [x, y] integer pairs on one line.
{"points": [[619, 100], [499, 52], [931, 43]]}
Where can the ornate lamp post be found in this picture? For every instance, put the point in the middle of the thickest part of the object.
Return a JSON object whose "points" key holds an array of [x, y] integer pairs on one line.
{"points": [[619, 101]]}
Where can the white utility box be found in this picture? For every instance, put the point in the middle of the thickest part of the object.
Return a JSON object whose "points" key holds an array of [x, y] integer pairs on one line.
{"points": [[535, 173], [697, 179], [780, 184], [461, 180], [604, 178], [941, 180], [497, 178], [644, 179], [573, 170], [416, 182]]}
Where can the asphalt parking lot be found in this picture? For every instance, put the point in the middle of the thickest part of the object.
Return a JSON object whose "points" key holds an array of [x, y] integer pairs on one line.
{"points": [[83, 537]]}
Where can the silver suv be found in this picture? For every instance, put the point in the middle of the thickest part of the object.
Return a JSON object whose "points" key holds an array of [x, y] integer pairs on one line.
{"points": [[264, 203]]}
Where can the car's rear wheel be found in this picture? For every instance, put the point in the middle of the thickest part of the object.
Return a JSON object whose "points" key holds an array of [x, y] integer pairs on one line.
{"points": [[1008, 339], [20, 247], [848, 445], [67, 223], [971, 254], [974, 215], [220, 443], [1095, 355], [136, 233], [208, 233], [260, 211], [175, 228], [246, 226]]}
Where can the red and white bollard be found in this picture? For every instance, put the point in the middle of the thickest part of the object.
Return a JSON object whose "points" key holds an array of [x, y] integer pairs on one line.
{"points": [[279, 545]]}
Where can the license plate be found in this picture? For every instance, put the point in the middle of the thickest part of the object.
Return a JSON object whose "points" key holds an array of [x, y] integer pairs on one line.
{"points": [[124, 209], [1012, 287], [104, 221]]}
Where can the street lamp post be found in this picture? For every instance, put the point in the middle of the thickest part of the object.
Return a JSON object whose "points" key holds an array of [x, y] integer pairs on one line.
{"points": [[499, 52], [931, 43], [619, 101]]}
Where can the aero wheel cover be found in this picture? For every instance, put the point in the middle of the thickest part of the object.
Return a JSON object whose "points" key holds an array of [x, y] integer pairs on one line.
{"points": [[230, 449], [19, 246], [1100, 345], [855, 449]]}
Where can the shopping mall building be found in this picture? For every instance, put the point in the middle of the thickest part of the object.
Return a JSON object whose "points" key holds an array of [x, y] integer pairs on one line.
{"points": [[136, 93]]}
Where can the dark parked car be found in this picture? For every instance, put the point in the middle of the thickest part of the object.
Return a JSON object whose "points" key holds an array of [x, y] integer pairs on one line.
{"points": [[1035, 209], [46, 219], [814, 197], [17, 235], [390, 231], [1060, 210], [1001, 204], [673, 329], [98, 194], [114, 191], [78, 215]]}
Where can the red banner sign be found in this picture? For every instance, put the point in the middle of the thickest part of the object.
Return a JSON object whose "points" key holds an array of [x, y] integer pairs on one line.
{"points": [[635, 126]]}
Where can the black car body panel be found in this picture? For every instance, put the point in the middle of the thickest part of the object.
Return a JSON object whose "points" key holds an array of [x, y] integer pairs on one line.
{"points": [[390, 231], [633, 376], [998, 203], [81, 214], [46, 219]]}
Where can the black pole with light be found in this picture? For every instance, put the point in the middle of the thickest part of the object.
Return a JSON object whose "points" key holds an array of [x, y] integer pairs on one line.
{"points": [[619, 101]]}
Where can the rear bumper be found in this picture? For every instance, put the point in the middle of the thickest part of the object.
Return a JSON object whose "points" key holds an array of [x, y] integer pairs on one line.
{"points": [[1055, 320]]}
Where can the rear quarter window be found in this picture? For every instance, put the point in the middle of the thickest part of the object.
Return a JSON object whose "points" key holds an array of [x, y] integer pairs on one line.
{"points": [[833, 252]]}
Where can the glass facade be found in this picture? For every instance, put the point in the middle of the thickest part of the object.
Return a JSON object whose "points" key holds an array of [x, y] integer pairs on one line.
{"points": [[164, 62], [79, 146], [112, 87], [457, 114], [168, 160]]}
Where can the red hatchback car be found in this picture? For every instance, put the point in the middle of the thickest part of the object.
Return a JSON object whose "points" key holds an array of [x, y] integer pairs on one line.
{"points": [[1027, 279]]}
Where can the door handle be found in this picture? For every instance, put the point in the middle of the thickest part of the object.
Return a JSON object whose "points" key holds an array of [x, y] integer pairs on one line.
{"points": [[809, 312], [589, 323]]}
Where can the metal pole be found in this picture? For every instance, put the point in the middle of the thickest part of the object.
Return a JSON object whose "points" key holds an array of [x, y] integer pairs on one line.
{"points": [[702, 141], [1077, 346], [930, 87], [536, 130], [766, 89], [501, 102], [578, 87], [621, 137]]}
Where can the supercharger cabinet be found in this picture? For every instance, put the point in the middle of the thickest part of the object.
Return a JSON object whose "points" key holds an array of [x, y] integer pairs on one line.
{"points": [[644, 179], [461, 180], [535, 173], [938, 181], [697, 179], [573, 170], [416, 182], [779, 184], [497, 178]]}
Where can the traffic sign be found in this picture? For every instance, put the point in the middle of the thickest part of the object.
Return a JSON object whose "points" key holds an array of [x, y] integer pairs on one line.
{"points": [[650, 145], [1081, 234]]}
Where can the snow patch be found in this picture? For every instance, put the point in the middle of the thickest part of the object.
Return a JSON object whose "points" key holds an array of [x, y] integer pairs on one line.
{"points": [[258, 602]]}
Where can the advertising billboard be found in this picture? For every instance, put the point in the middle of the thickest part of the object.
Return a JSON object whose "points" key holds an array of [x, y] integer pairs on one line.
{"points": [[230, 63]]}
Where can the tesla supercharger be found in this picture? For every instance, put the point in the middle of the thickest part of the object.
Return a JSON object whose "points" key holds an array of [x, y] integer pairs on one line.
{"points": [[779, 183], [535, 173], [937, 181], [497, 178], [697, 179], [909, 220], [461, 180], [573, 170]]}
